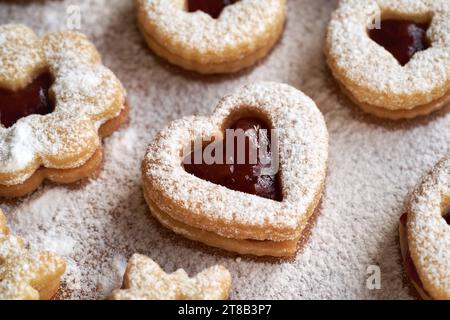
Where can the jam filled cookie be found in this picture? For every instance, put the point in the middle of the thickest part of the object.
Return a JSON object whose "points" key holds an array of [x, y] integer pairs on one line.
{"points": [[145, 280], [392, 57], [425, 234], [214, 36], [255, 200], [26, 274], [56, 103]]}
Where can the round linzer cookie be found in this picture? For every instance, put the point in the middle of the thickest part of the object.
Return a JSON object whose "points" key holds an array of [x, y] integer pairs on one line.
{"points": [[425, 234], [211, 36], [248, 178], [27, 274], [56, 103], [392, 57]]}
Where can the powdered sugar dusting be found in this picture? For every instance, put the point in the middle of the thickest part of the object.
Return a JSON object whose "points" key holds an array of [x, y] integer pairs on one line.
{"points": [[373, 166]]}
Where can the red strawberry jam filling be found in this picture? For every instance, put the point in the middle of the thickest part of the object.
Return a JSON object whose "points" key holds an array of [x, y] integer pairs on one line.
{"points": [[33, 99], [212, 7], [402, 38], [247, 176]]}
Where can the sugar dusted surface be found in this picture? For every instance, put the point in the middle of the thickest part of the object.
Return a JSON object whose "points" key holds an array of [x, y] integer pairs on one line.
{"points": [[98, 225]]}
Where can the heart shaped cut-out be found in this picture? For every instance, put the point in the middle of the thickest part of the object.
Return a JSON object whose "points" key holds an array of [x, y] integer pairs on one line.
{"points": [[402, 38], [212, 7], [232, 220]]}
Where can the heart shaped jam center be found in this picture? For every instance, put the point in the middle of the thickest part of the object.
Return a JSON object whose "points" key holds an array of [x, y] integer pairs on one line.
{"points": [[402, 38], [33, 99], [447, 218], [212, 7], [249, 167]]}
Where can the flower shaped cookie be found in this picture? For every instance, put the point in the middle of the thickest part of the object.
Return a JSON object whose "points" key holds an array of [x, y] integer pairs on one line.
{"points": [[145, 280], [26, 274], [89, 103], [244, 32]]}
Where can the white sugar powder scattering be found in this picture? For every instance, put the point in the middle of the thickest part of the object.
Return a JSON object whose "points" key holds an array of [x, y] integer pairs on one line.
{"points": [[97, 225]]}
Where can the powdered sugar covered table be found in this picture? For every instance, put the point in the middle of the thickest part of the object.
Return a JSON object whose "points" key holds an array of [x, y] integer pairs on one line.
{"points": [[99, 224]]}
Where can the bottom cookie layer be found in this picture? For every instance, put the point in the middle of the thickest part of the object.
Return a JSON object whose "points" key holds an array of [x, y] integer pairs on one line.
{"points": [[418, 111], [244, 247], [66, 176], [408, 264]]}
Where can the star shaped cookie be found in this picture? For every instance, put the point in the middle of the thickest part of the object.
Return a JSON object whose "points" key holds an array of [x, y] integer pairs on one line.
{"points": [[145, 280], [26, 274]]}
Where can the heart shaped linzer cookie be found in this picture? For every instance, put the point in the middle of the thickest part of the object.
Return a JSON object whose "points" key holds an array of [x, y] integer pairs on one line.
{"points": [[234, 220]]}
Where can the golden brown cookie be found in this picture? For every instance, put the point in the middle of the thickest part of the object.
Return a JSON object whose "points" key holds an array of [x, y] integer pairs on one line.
{"points": [[242, 34], [267, 214], [57, 101], [26, 274], [145, 280], [425, 234], [392, 57]]}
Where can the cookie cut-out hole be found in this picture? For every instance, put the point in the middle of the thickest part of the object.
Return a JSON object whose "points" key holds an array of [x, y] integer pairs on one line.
{"points": [[447, 217], [212, 7], [33, 99], [402, 38], [250, 175]]}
